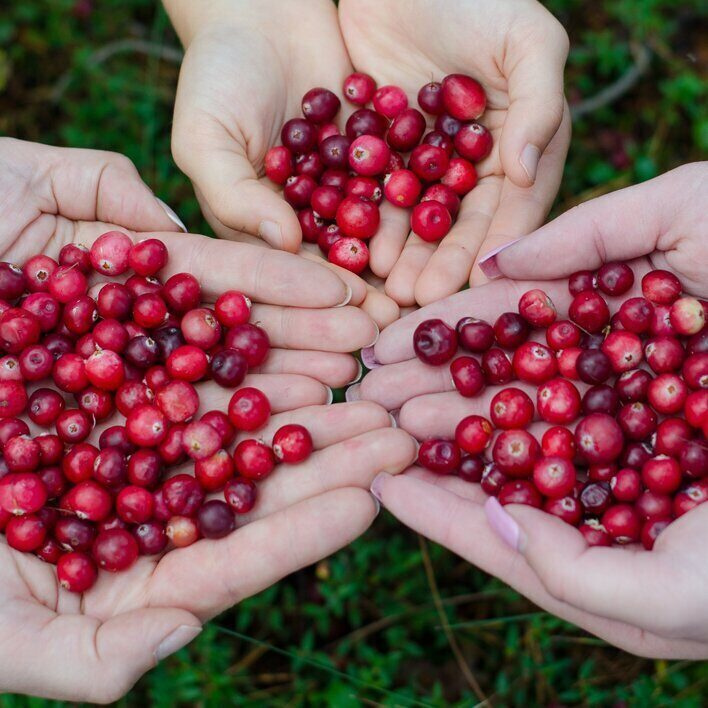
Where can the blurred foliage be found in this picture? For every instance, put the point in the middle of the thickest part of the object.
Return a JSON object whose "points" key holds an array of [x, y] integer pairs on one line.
{"points": [[362, 627]]}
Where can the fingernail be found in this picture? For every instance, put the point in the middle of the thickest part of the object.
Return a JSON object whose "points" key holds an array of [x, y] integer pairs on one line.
{"points": [[377, 504], [488, 264], [394, 420], [369, 358], [270, 231], [330, 396], [529, 158], [376, 338], [502, 524], [347, 297], [172, 216], [376, 487], [353, 393], [177, 639], [358, 376]]}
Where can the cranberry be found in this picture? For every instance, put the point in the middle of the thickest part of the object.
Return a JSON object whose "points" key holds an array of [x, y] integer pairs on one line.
{"points": [[160, 344], [181, 292], [148, 257], [664, 354], [596, 498], [695, 371], [253, 459], [142, 351], [667, 393], [37, 271], [292, 444], [366, 188], [567, 362], [182, 531], [430, 220], [615, 278], [115, 550], [187, 363], [633, 385], [18, 330], [637, 420], [364, 122], [600, 399], [554, 476], [390, 100], [444, 195], [445, 123], [216, 519], [511, 330], [690, 497], [558, 401], [635, 454], [76, 572], [473, 141], [45, 308], [114, 302], [493, 480], [430, 98], [213, 472], [651, 530], [434, 342], [463, 97], [599, 438], [77, 464], [50, 551], [520, 491], [589, 311], [515, 452], [635, 314], [183, 495], [698, 343], [467, 376], [109, 253], [249, 340], [595, 534], [278, 164], [661, 287], [358, 218], [568, 509], [402, 188], [74, 534], [73, 426], [687, 316], [511, 408], [368, 155], [320, 105], [359, 88], [12, 281], [626, 485], [135, 505], [496, 366], [200, 440], [22, 493], [240, 494], [109, 468], [534, 363], [441, 140], [406, 130], [473, 434], [440, 456], [429, 162], [131, 395], [602, 473], [36, 362], [471, 468], [593, 366], [221, 423], [696, 408], [89, 501], [150, 537], [460, 176], [325, 200], [201, 328], [53, 480], [249, 409], [558, 442], [474, 335], [146, 426], [22, 454], [13, 398], [334, 152], [298, 135], [170, 449], [232, 308], [622, 523], [651, 505]]}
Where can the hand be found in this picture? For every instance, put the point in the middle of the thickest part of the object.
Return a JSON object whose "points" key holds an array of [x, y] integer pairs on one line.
{"points": [[517, 50], [95, 647], [647, 603]]}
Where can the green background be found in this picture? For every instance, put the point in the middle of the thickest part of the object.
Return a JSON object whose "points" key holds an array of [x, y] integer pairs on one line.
{"points": [[365, 627]]}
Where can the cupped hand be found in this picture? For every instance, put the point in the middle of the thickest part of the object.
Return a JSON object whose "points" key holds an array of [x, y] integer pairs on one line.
{"points": [[517, 51], [95, 646], [647, 603]]}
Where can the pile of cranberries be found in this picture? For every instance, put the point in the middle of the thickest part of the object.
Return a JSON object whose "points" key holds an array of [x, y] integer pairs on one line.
{"points": [[620, 460], [71, 361], [335, 182]]}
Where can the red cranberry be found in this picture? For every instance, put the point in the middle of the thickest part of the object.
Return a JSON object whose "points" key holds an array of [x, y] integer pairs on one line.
{"points": [[135, 505], [664, 354], [13, 398], [249, 340], [520, 491], [568, 509], [473, 434], [201, 328], [445, 123], [695, 371], [690, 497], [278, 164], [626, 485], [18, 330], [115, 550], [76, 572], [148, 257], [651, 505], [430, 98], [406, 130], [181, 292], [667, 393], [200, 440], [444, 195], [390, 100], [440, 456], [511, 330], [622, 523], [45, 308], [187, 363], [253, 459], [109, 253], [77, 464], [511, 408], [661, 474], [661, 287], [146, 426], [593, 366], [430, 220], [554, 476], [183, 495], [580, 281], [496, 366], [493, 480], [596, 498], [558, 401], [633, 385], [637, 420], [73, 426], [402, 188], [460, 176], [358, 218], [463, 97], [599, 438], [364, 122], [558, 442], [298, 135], [515, 452], [22, 493], [114, 302], [615, 278], [595, 534], [534, 363], [429, 162], [334, 152], [170, 449], [441, 140], [434, 342], [589, 311], [109, 468], [249, 409], [320, 105], [635, 454], [473, 141], [131, 395], [89, 501], [37, 271], [359, 88], [182, 531], [292, 444], [12, 281], [221, 423], [213, 472], [651, 530], [635, 314], [150, 537], [240, 494], [216, 519], [474, 335], [368, 156], [537, 308], [471, 468], [467, 376], [366, 188], [22, 454], [232, 308], [600, 399]]}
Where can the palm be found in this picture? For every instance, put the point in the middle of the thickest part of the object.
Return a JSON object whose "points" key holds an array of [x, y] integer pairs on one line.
{"points": [[402, 45]]}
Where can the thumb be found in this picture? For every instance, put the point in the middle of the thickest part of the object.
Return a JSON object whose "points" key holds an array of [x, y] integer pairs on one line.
{"points": [[227, 181], [622, 225], [534, 70], [84, 659]]}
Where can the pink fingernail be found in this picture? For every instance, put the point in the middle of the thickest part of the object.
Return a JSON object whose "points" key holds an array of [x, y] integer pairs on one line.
{"points": [[488, 264], [376, 487], [502, 524], [353, 393], [369, 358], [529, 158]]}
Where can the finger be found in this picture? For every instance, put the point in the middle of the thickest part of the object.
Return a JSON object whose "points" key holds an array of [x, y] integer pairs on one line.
{"points": [[534, 70], [382, 309], [95, 185], [228, 181], [333, 370], [343, 329], [70, 650], [618, 226], [461, 525], [449, 266], [400, 284], [523, 209], [353, 462], [265, 275], [198, 579], [393, 231]]}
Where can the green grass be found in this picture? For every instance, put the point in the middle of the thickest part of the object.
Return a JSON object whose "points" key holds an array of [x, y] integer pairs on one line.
{"points": [[363, 627]]}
